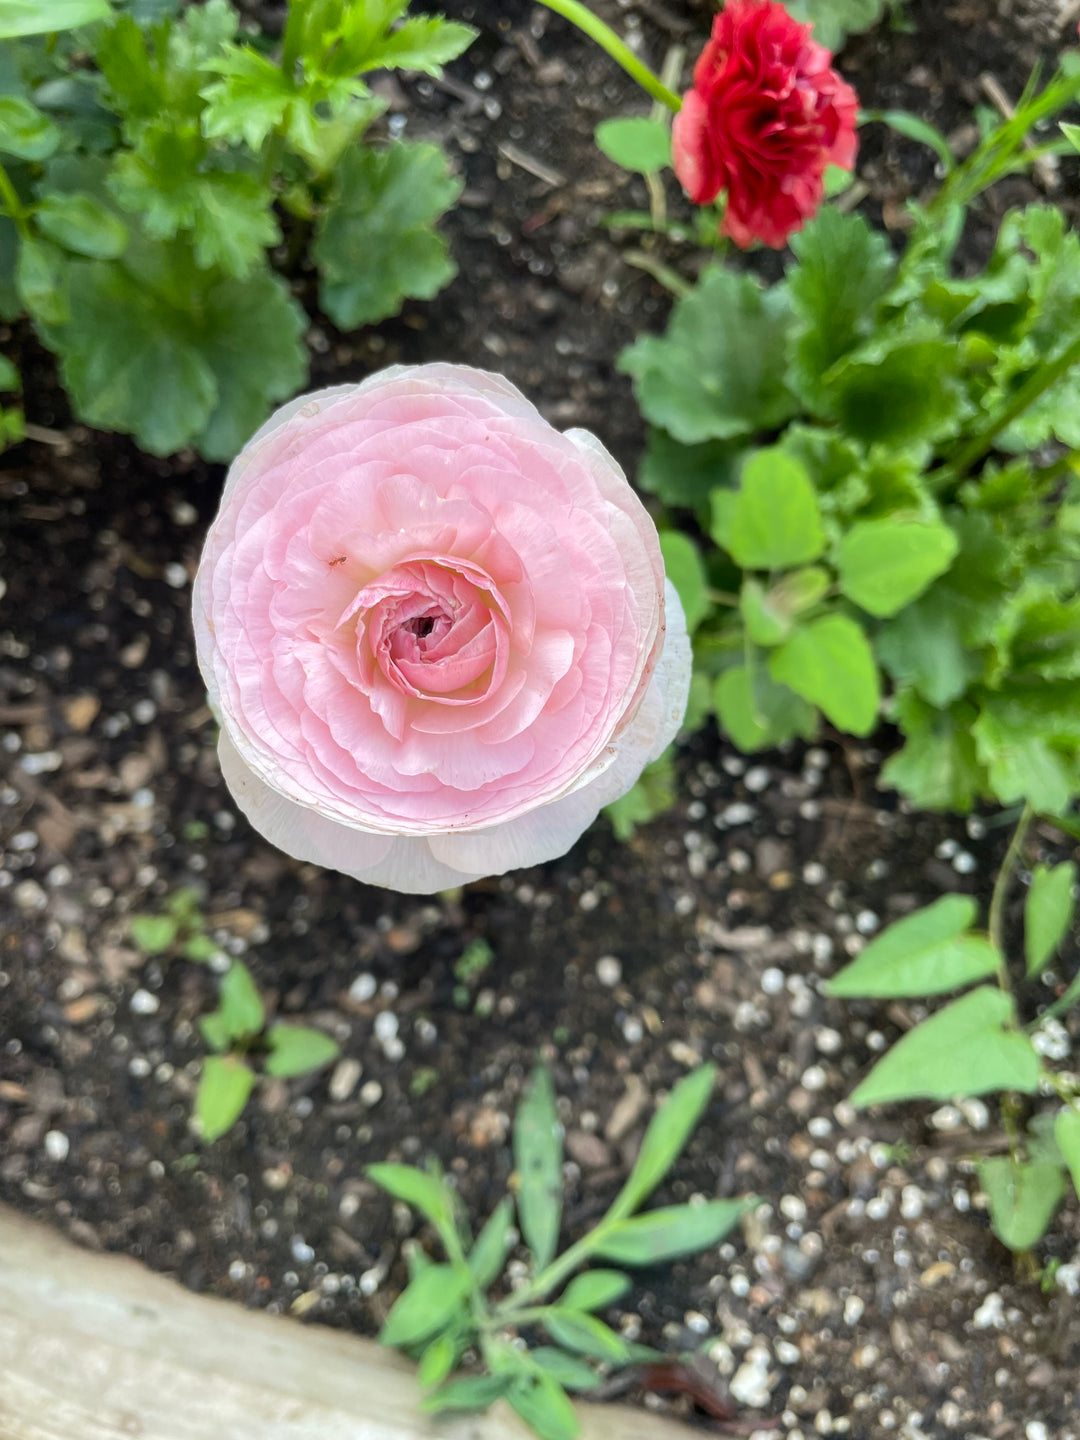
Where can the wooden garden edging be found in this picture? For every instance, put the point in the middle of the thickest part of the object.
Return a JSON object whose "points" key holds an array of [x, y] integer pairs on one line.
{"points": [[96, 1347]]}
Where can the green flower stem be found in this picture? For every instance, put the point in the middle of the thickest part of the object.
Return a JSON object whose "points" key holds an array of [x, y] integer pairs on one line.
{"points": [[1035, 385], [13, 205], [1001, 888], [581, 16]]}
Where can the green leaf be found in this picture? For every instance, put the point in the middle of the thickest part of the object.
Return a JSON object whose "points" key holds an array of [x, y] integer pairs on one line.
{"points": [[1048, 912], [686, 571], [249, 101], [426, 1305], [82, 224], [1021, 766], [473, 1392], [416, 1188], [153, 934], [666, 1137], [9, 375], [652, 793], [298, 1050], [845, 270], [251, 337], [425, 43], [718, 372], [770, 614], [24, 130], [915, 128], [594, 1290], [215, 1031], [374, 243], [830, 663], [538, 1158], [241, 1004], [635, 143], [43, 17], [685, 474], [937, 769], [585, 1334], [969, 1048], [1071, 133], [437, 1361], [923, 954], [224, 1088], [899, 391], [923, 646], [489, 1252], [667, 1233], [834, 20], [773, 520], [885, 564], [542, 1403], [42, 279], [175, 357], [568, 1370], [799, 591], [227, 211], [128, 363], [759, 714], [1023, 1197], [764, 625], [200, 948], [1067, 1135]]}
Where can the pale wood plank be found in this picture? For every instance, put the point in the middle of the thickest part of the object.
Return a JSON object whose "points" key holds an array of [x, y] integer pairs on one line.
{"points": [[96, 1347]]}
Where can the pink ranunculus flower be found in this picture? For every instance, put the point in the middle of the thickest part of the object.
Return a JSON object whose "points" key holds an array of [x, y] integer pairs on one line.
{"points": [[436, 631]]}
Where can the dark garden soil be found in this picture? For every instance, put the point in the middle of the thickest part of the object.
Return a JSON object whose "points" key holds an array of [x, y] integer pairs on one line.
{"points": [[868, 1297]]}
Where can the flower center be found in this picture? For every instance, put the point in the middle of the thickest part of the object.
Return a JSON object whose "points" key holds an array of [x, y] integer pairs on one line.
{"points": [[431, 629]]}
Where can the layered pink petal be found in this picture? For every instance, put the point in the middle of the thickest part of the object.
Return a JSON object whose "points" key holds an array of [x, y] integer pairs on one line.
{"points": [[423, 613]]}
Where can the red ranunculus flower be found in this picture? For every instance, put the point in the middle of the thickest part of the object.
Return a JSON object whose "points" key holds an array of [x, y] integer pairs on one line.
{"points": [[766, 115]]}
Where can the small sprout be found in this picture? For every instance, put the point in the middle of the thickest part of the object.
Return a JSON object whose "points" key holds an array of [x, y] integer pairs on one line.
{"points": [[237, 1033], [181, 927]]}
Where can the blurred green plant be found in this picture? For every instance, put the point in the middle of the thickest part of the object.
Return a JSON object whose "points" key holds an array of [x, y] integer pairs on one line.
{"points": [[180, 927], [978, 1044], [153, 162], [446, 1310], [237, 1034]]}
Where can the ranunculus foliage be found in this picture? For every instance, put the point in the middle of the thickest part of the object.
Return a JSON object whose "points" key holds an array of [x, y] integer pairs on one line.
{"points": [[436, 630], [767, 113]]}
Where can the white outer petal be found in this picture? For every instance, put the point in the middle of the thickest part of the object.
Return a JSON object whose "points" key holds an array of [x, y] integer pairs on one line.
{"points": [[422, 865]]}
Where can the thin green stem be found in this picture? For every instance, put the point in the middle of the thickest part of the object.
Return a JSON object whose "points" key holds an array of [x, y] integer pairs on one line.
{"points": [[663, 274], [13, 205], [1035, 385], [581, 16], [550, 1278], [995, 924]]}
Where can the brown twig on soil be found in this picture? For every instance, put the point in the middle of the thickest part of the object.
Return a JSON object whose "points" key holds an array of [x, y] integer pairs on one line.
{"points": [[44, 436], [1045, 167], [530, 164]]}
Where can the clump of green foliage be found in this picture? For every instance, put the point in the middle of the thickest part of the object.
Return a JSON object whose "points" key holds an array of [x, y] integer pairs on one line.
{"points": [[237, 1034], [154, 161], [978, 1044], [871, 480], [446, 1314]]}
